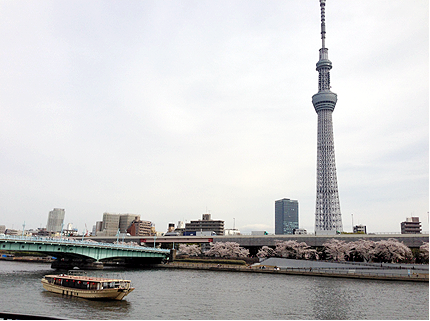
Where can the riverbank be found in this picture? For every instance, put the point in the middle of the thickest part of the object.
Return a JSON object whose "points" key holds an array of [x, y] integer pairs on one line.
{"points": [[31, 259], [270, 269]]}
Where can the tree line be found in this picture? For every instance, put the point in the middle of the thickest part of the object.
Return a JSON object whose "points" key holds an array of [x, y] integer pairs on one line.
{"points": [[390, 250]]}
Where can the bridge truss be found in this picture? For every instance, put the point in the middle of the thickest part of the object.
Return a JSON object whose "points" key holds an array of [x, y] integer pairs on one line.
{"points": [[81, 249]]}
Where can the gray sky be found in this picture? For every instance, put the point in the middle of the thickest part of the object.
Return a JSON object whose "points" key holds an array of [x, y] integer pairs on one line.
{"points": [[169, 109]]}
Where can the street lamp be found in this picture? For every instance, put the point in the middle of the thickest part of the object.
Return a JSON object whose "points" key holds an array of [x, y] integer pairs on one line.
{"points": [[117, 236], [61, 234]]}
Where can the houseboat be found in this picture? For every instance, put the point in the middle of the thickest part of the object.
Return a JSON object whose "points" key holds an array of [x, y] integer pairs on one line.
{"points": [[78, 284]]}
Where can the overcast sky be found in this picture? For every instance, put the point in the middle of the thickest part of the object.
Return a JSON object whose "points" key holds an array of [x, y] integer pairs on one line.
{"points": [[170, 109]]}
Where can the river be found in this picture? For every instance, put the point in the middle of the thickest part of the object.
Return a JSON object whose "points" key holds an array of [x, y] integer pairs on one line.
{"points": [[203, 295]]}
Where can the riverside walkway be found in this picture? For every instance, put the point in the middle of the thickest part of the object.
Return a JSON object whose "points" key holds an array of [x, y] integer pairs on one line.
{"points": [[393, 272]]}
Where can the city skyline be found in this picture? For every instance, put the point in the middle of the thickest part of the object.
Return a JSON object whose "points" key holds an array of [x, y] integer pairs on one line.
{"points": [[166, 110]]}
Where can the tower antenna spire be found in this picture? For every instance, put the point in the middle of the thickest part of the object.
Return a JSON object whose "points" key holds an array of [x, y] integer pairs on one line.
{"points": [[322, 5], [328, 217]]}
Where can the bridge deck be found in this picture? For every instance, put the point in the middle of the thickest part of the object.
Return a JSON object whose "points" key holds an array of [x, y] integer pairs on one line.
{"points": [[79, 248]]}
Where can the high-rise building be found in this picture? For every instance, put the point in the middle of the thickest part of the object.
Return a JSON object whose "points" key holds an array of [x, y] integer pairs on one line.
{"points": [[55, 220], [286, 216], [328, 218], [140, 228], [110, 225], [125, 221], [113, 224]]}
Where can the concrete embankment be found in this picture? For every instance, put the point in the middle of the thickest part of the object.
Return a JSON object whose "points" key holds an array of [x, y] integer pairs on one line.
{"points": [[31, 259], [414, 277]]}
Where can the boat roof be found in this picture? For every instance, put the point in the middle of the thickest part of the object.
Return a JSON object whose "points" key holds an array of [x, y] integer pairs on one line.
{"points": [[84, 278]]}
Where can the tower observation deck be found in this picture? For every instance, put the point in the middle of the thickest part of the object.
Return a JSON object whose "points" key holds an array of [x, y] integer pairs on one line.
{"points": [[328, 218]]}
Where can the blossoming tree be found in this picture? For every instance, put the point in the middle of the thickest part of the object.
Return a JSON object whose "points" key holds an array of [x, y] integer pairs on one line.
{"points": [[265, 251], [391, 250], [362, 249], [191, 250], [227, 249], [424, 251], [336, 249], [294, 250]]}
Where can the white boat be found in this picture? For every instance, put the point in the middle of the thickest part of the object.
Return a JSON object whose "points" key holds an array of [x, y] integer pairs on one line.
{"points": [[82, 286]]}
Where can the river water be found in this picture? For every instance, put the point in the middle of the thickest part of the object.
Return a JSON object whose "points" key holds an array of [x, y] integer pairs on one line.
{"points": [[209, 295]]}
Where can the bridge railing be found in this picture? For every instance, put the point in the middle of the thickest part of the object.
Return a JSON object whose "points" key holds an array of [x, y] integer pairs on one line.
{"points": [[80, 242]]}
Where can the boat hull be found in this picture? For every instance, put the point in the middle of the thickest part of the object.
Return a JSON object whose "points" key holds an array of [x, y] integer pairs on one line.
{"points": [[105, 294]]}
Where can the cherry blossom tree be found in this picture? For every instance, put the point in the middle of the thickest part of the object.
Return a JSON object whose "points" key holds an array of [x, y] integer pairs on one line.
{"points": [[336, 249], [265, 251], [424, 251], [191, 250], [362, 249], [294, 250], [391, 250], [227, 249]]}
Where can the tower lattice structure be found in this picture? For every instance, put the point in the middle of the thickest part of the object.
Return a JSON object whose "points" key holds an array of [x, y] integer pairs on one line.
{"points": [[328, 218]]}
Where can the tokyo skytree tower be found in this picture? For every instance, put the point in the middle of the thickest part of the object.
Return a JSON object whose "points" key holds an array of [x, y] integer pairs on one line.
{"points": [[328, 219]]}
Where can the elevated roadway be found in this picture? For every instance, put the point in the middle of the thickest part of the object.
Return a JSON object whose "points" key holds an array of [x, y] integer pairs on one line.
{"points": [[410, 240], [250, 241]]}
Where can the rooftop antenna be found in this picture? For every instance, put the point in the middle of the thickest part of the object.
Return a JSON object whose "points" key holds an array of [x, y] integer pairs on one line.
{"points": [[322, 5]]}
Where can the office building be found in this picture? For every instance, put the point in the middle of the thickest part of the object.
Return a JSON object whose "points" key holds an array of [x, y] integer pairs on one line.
{"points": [[109, 226], [140, 228], [112, 224], [286, 216], [412, 225], [360, 229], [125, 221], [205, 224], [55, 220]]}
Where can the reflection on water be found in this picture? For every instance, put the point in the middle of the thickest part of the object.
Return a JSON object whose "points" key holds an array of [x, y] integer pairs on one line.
{"points": [[78, 308], [331, 299], [181, 294]]}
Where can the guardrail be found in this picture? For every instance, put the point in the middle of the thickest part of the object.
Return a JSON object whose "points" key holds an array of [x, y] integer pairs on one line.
{"points": [[302, 271], [354, 272], [80, 242]]}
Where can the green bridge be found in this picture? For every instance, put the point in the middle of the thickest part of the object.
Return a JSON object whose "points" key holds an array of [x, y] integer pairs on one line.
{"points": [[84, 254]]}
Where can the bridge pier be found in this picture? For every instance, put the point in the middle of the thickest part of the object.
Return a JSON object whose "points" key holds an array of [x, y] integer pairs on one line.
{"points": [[67, 264]]}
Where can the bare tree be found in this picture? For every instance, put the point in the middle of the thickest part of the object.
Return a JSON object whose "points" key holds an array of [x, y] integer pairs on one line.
{"points": [[227, 249]]}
